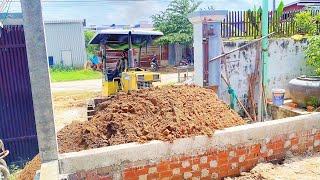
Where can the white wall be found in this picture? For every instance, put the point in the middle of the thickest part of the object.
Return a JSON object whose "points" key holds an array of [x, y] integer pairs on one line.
{"points": [[66, 36], [286, 62]]}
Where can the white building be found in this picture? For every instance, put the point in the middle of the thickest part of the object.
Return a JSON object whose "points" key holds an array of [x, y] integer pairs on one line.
{"points": [[66, 43], [64, 38]]}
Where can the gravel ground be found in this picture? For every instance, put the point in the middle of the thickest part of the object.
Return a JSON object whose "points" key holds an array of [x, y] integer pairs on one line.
{"points": [[297, 168]]}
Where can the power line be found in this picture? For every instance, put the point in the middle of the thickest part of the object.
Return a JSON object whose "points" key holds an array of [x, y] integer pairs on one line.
{"points": [[3, 5], [7, 13]]}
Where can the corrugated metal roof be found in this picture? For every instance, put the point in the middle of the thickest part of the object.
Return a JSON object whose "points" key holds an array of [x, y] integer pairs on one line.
{"points": [[62, 21], [120, 36], [304, 3]]}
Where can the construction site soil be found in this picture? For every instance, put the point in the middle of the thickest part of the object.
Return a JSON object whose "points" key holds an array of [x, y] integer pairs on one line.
{"points": [[30, 170], [166, 114]]}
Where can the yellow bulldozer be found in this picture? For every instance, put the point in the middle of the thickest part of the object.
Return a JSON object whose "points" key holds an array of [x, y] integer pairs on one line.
{"points": [[126, 75]]}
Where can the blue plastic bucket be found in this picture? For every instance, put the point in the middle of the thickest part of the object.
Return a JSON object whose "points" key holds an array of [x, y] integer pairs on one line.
{"points": [[278, 96]]}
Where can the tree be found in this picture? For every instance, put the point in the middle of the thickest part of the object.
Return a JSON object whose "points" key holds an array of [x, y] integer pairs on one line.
{"points": [[91, 49], [174, 23]]}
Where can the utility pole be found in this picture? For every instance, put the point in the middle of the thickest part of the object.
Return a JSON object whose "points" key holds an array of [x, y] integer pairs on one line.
{"points": [[265, 44], [40, 79], [274, 6]]}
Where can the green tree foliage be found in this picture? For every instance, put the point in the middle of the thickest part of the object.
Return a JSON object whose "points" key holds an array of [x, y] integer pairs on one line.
{"points": [[91, 49], [305, 23], [254, 19], [313, 54], [174, 23], [276, 21]]}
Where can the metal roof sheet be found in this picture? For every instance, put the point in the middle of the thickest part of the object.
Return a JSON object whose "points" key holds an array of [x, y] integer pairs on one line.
{"points": [[64, 21], [304, 3], [120, 36]]}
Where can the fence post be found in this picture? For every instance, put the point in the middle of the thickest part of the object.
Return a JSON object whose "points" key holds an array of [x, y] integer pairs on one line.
{"points": [[265, 44]]}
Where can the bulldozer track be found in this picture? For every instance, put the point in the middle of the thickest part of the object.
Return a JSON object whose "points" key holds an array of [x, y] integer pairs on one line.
{"points": [[93, 104]]}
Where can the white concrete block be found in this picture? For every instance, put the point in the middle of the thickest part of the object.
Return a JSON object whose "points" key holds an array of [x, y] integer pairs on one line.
{"points": [[287, 144], [234, 165], [213, 164], [204, 173], [50, 171], [187, 175], [270, 152], [185, 164], [203, 159], [232, 154], [195, 167], [152, 170], [242, 158], [176, 171], [143, 177], [292, 135], [214, 176]]}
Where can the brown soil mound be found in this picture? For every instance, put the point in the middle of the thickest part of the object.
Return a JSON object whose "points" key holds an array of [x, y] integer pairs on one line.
{"points": [[30, 170], [166, 114]]}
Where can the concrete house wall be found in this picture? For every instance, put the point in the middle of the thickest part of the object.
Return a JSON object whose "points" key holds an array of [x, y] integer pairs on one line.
{"points": [[286, 62]]}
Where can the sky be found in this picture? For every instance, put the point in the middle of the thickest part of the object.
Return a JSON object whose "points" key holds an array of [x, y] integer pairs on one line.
{"points": [[106, 12]]}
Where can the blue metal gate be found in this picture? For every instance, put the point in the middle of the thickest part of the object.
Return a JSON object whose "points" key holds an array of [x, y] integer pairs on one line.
{"points": [[17, 121]]}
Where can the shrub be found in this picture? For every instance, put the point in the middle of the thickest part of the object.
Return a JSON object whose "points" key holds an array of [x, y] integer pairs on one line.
{"points": [[60, 68], [313, 101], [313, 54], [306, 23]]}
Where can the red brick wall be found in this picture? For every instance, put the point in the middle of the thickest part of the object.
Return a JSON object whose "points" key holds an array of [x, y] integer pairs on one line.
{"points": [[214, 164]]}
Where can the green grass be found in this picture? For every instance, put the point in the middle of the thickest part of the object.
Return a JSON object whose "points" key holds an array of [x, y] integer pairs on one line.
{"points": [[62, 74]]}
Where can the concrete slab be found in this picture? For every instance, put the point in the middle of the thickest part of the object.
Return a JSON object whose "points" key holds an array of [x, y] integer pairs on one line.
{"points": [[286, 111], [50, 171]]}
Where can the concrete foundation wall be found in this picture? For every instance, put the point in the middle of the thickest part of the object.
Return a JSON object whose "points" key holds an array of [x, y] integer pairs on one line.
{"points": [[286, 62], [228, 153]]}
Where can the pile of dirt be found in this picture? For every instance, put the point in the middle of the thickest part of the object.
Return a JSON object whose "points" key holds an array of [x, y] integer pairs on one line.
{"points": [[166, 113], [30, 170]]}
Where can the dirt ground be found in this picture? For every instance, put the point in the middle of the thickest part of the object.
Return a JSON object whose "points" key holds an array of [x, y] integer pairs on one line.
{"points": [[71, 107], [297, 168], [166, 113], [96, 85], [30, 170]]}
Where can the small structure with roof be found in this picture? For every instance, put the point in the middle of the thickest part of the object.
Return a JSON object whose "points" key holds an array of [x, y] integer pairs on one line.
{"points": [[64, 38], [300, 4]]}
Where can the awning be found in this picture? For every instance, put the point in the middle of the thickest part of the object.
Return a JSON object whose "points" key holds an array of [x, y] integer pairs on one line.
{"points": [[120, 36]]}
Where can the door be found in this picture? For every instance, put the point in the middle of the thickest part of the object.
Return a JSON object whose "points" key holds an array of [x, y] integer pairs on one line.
{"points": [[66, 58], [17, 122], [51, 62]]}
